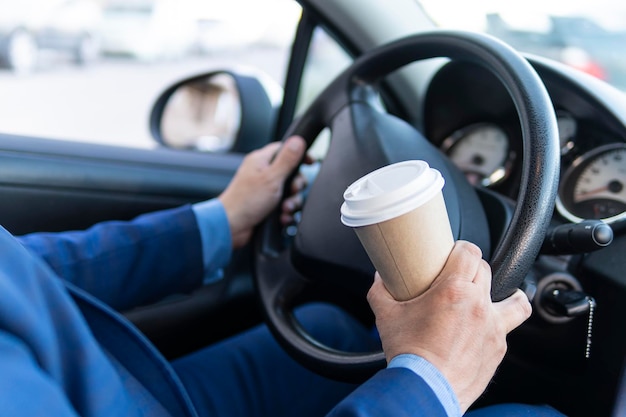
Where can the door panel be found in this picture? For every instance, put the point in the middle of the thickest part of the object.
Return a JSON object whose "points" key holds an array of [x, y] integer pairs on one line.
{"points": [[49, 185], [58, 185]]}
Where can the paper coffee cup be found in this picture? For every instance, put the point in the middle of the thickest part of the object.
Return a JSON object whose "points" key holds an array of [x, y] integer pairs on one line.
{"points": [[399, 215]]}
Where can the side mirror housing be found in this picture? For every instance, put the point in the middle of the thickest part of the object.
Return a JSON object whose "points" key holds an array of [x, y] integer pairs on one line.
{"points": [[220, 111]]}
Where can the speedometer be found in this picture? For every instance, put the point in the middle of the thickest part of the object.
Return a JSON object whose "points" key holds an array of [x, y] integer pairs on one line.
{"points": [[481, 151], [594, 186]]}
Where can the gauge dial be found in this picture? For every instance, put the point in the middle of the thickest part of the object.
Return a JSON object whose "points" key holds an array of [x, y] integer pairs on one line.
{"points": [[595, 186], [481, 151]]}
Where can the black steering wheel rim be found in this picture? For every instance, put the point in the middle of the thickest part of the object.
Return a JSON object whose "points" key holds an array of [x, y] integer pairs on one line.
{"points": [[520, 244]]}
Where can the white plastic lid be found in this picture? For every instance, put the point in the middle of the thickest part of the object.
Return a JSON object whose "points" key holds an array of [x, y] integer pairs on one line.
{"points": [[389, 192]]}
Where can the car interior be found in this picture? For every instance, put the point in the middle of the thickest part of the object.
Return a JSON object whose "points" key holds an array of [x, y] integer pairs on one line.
{"points": [[533, 152]]}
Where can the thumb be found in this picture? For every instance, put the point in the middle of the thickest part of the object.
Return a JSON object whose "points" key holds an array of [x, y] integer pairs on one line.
{"points": [[513, 310], [288, 156], [378, 294]]}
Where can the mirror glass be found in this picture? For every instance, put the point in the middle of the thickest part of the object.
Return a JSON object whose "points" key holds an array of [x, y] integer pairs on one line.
{"points": [[203, 114]]}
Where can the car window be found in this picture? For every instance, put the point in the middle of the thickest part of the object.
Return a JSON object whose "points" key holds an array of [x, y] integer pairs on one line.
{"points": [[90, 70], [325, 60], [589, 36]]}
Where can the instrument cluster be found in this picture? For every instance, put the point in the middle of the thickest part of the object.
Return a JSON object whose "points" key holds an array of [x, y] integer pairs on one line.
{"points": [[593, 165]]}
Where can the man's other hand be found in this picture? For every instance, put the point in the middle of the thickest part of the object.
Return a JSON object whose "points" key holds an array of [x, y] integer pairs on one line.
{"points": [[257, 187]]}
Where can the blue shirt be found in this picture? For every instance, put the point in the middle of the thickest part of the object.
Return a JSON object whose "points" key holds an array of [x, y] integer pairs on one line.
{"points": [[216, 250]]}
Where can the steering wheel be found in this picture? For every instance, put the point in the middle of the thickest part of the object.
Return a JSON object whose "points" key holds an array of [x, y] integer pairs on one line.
{"points": [[325, 253]]}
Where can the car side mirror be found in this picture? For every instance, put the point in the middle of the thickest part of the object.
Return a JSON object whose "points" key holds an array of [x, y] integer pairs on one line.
{"points": [[221, 111]]}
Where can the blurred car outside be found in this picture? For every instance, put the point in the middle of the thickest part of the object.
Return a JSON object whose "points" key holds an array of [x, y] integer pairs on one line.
{"points": [[148, 30], [237, 24], [152, 30], [32, 29], [578, 41]]}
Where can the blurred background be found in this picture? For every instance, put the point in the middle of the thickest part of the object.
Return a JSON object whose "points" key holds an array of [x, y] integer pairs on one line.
{"points": [[90, 70]]}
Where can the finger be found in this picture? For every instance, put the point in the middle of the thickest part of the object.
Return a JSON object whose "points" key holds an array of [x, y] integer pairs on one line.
{"points": [[483, 276], [378, 293], [289, 207], [286, 219], [298, 184], [288, 156], [268, 152], [292, 203], [463, 262], [514, 310]]}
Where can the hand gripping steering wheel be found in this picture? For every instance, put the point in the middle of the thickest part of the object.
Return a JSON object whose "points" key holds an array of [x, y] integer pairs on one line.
{"points": [[325, 253]]}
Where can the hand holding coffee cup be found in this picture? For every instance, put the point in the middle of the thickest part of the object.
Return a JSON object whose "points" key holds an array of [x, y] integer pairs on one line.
{"points": [[399, 215]]}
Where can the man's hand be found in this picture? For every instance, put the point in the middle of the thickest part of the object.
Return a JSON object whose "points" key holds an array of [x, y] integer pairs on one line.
{"points": [[454, 324], [258, 185]]}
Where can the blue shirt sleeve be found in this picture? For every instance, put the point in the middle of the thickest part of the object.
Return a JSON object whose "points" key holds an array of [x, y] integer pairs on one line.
{"points": [[215, 236], [127, 263], [435, 379]]}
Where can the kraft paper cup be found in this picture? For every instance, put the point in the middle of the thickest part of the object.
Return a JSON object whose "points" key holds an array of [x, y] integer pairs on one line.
{"points": [[399, 215]]}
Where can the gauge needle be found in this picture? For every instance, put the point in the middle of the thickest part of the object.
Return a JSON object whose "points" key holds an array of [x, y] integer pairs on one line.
{"points": [[614, 186], [594, 191]]}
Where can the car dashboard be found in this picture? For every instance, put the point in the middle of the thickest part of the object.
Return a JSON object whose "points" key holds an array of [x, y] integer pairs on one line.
{"points": [[469, 115]]}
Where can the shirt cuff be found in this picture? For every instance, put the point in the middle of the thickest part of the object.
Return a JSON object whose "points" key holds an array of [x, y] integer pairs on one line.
{"points": [[435, 379], [215, 237]]}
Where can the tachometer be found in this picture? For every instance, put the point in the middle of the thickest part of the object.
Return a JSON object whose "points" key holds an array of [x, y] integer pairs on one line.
{"points": [[594, 187], [481, 151]]}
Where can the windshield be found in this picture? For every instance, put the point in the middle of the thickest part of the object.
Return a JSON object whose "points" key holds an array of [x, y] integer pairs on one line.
{"points": [[589, 36]]}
